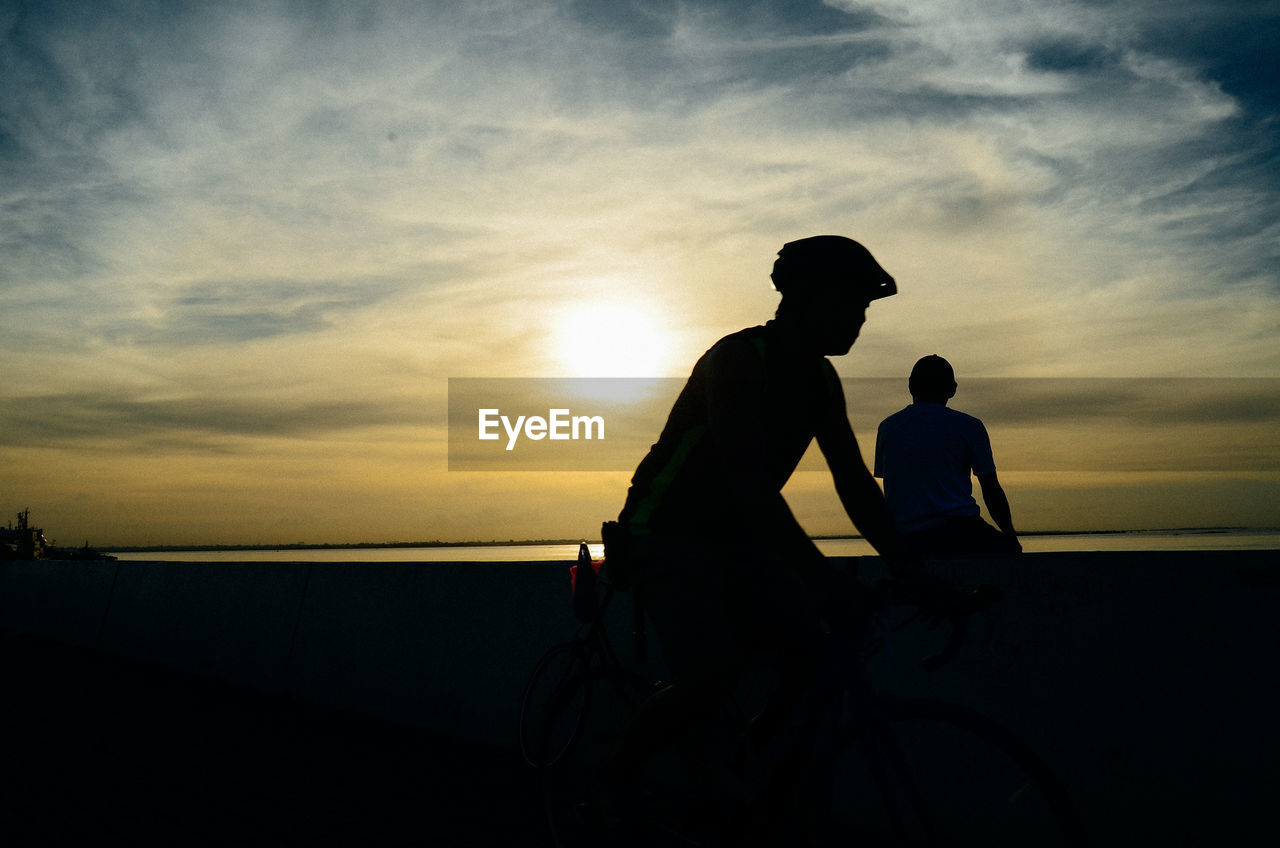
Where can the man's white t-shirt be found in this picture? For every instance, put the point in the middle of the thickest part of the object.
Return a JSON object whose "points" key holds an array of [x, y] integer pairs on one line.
{"points": [[925, 454]]}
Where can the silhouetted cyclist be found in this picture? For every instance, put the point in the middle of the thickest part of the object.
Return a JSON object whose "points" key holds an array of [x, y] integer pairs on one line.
{"points": [[724, 569], [925, 454]]}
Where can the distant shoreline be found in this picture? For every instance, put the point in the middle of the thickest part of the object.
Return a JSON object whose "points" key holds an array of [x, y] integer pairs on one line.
{"points": [[341, 546], [436, 543]]}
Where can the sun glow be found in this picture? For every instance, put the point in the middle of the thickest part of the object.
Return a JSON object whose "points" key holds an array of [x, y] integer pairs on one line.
{"points": [[611, 340]]}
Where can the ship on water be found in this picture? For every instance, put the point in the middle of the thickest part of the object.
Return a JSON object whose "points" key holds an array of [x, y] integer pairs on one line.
{"points": [[25, 542]]}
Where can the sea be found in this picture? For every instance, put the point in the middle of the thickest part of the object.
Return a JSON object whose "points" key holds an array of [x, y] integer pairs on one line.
{"points": [[1137, 540]]}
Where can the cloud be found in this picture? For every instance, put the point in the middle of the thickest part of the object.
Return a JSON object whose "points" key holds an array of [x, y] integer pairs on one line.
{"points": [[230, 312], [195, 423], [1144, 401]]}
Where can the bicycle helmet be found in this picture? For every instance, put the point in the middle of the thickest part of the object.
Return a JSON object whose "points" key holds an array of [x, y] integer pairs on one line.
{"points": [[820, 263]]}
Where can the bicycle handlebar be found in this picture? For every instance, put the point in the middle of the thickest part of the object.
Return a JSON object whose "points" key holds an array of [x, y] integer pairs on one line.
{"points": [[980, 599], [939, 601]]}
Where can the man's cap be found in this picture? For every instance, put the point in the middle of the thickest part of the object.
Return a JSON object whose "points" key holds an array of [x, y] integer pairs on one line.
{"points": [[823, 262]]}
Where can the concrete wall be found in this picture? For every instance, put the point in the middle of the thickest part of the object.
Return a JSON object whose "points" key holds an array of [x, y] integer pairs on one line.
{"points": [[1148, 680]]}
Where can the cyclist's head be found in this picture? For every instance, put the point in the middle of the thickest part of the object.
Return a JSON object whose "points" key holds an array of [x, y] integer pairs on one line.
{"points": [[830, 265], [932, 378], [827, 283]]}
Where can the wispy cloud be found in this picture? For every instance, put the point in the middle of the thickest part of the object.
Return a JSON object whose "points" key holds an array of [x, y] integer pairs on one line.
{"points": [[196, 423], [359, 200]]}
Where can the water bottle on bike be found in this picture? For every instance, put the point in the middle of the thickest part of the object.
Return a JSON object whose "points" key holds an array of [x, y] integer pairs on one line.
{"points": [[584, 580]]}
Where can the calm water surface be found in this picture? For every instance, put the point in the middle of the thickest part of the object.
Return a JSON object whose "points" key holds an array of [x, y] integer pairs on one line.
{"points": [[1135, 541]]}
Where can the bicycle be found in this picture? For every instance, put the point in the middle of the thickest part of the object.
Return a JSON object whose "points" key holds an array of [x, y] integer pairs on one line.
{"points": [[861, 767]]}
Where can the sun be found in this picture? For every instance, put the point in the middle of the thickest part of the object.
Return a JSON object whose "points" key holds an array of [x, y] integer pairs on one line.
{"points": [[610, 339]]}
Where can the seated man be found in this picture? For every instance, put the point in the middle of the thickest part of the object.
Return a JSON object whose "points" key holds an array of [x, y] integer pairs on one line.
{"points": [[925, 454], [723, 567]]}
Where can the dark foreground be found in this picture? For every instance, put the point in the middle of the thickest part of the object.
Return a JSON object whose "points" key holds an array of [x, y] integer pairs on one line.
{"points": [[99, 750]]}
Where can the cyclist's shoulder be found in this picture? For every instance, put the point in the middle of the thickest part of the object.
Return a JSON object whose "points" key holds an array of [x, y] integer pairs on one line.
{"points": [[748, 341], [759, 356], [766, 345], [738, 352]]}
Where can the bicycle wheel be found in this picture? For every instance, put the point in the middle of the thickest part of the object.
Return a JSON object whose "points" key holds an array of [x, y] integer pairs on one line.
{"points": [[553, 709], [932, 773], [572, 818]]}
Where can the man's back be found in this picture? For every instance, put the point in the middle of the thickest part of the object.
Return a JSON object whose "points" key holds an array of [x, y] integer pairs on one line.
{"points": [[926, 453]]}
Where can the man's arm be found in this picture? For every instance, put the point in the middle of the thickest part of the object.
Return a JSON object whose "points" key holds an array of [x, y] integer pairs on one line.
{"points": [[997, 503]]}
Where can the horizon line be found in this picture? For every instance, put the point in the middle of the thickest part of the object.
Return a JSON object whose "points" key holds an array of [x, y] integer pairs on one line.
{"points": [[438, 543]]}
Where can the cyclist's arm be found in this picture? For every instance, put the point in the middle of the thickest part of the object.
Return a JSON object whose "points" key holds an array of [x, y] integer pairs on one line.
{"points": [[858, 491]]}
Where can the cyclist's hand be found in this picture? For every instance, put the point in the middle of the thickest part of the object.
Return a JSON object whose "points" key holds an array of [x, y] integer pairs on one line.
{"points": [[905, 565], [834, 587], [843, 600], [937, 598]]}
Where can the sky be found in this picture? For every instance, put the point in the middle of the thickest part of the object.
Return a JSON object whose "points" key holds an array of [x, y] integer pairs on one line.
{"points": [[245, 246]]}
